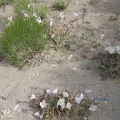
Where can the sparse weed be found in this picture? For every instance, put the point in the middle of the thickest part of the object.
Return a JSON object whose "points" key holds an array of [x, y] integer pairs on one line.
{"points": [[22, 38], [94, 2], [60, 32], [27, 7], [108, 64], [40, 9], [60, 5], [5, 2]]}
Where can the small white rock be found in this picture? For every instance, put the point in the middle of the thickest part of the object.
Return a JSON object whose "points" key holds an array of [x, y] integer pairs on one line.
{"points": [[75, 14], [93, 108], [88, 91]]}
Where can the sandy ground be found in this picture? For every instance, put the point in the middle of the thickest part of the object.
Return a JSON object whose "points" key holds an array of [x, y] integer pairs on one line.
{"points": [[17, 86]]}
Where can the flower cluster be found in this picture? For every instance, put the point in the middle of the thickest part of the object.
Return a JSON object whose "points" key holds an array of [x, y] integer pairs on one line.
{"points": [[59, 30], [54, 103]]}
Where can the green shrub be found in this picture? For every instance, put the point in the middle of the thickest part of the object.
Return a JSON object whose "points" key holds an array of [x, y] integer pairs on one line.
{"points": [[20, 5], [23, 38], [60, 5], [40, 9]]}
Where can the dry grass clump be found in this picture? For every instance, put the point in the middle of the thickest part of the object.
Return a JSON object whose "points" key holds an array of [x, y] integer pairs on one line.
{"points": [[108, 62]]}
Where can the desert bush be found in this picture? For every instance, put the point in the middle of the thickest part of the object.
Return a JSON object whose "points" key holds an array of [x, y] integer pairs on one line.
{"points": [[108, 62], [60, 5], [22, 38]]}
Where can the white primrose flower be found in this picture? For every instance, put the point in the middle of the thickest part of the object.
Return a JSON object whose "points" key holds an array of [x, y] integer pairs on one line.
{"points": [[28, 5], [65, 94], [38, 20], [52, 34], [51, 22], [48, 91], [34, 15], [26, 15], [37, 114], [61, 102], [43, 104], [55, 91], [110, 49], [102, 36], [78, 99], [10, 19], [68, 105], [32, 97]]}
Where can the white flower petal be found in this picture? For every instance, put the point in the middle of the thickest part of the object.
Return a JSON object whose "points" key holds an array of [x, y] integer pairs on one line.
{"points": [[65, 94], [111, 50], [10, 19], [78, 99], [61, 102], [25, 15], [37, 114], [29, 6], [102, 36], [93, 108], [68, 105], [48, 91], [55, 91], [88, 91], [34, 15], [32, 97], [43, 104], [62, 107], [51, 22], [38, 20]]}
